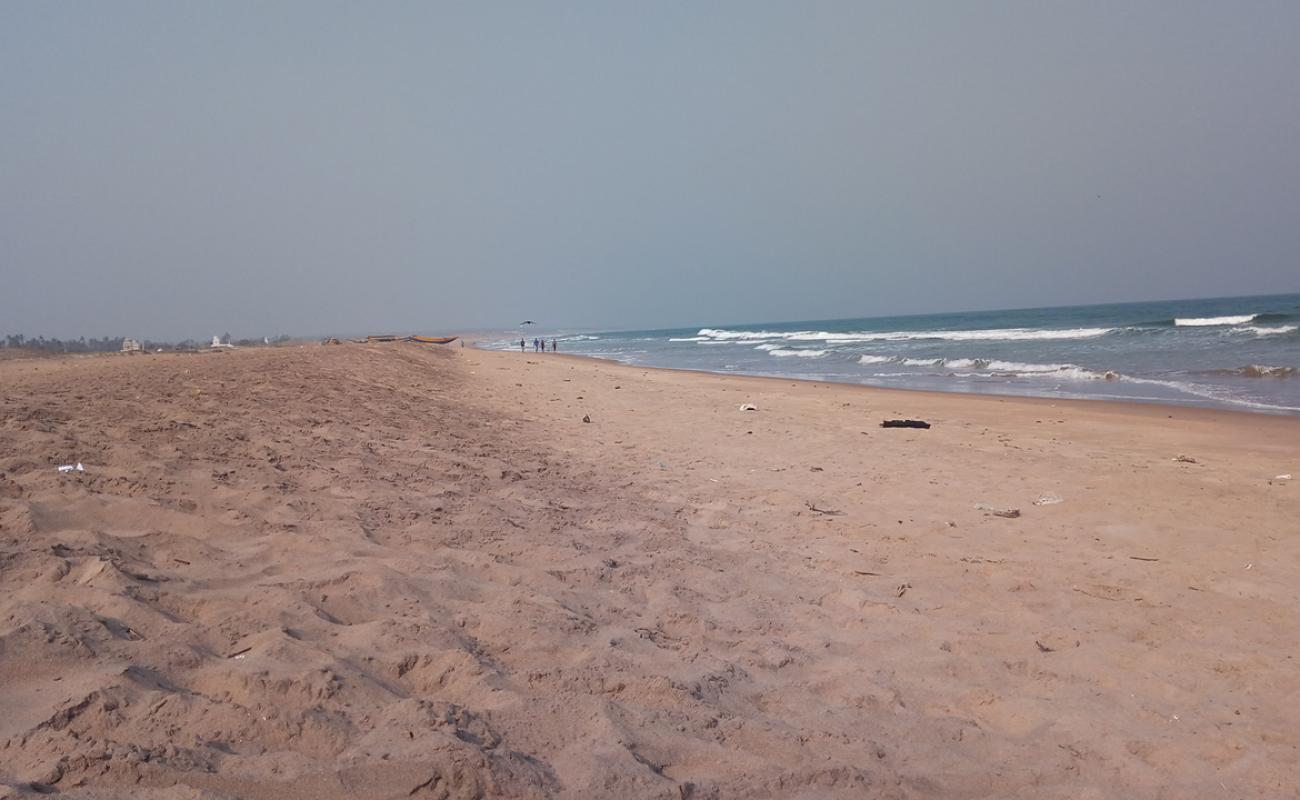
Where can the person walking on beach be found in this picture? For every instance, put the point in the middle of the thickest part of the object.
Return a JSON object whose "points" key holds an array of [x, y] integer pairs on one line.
{"points": [[521, 345], [555, 346]]}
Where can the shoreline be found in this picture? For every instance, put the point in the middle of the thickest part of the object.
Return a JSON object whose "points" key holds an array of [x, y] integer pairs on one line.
{"points": [[1152, 407]]}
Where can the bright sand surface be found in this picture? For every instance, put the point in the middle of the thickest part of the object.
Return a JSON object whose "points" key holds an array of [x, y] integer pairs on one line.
{"points": [[391, 570]]}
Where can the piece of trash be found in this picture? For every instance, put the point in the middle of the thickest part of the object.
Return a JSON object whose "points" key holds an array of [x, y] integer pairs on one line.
{"points": [[1044, 648], [1182, 459], [829, 512], [586, 418], [1008, 513], [1285, 477], [904, 423], [748, 407], [1048, 500], [77, 467], [1143, 558]]}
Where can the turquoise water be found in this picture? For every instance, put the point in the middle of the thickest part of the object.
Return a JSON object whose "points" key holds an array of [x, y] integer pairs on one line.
{"points": [[1239, 352]]}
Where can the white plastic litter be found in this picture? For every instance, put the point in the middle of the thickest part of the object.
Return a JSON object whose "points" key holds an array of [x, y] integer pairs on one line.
{"points": [[77, 467], [1049, 500], [748, 407], [1285, 477]]}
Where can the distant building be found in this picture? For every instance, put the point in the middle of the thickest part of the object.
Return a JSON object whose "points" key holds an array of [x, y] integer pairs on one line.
{"points": [[216, 342], [131, 346]]}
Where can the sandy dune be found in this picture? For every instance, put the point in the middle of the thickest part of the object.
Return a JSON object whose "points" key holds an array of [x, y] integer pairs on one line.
{"points": [[388, 571]]}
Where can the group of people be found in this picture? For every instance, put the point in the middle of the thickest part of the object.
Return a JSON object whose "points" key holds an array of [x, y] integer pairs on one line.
{"points": [[539, 345]]}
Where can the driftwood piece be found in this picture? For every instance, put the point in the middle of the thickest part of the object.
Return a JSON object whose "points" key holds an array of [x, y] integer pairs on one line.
{"points": [[905, 423]]}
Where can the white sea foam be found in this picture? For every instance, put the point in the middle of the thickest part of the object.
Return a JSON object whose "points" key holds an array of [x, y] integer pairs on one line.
{"points": [[984, 368], [768, 347], [1203, 321], [1208, 393], [833, 337], [1265, 371], [1012, 334], [1016, 366], [1071, 372], [799, 353], [690, 339], [714, 333], [1260, 330]]}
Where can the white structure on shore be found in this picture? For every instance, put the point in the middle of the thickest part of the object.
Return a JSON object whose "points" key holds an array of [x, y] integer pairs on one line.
{"points": [[217, 343], [131, 346]]}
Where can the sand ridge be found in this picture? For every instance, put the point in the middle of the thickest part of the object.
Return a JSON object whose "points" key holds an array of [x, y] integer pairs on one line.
{"points": [[390, 571]]}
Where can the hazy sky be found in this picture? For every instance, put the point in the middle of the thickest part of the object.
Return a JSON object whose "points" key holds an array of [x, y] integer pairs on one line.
{"points": [[182, 169]]}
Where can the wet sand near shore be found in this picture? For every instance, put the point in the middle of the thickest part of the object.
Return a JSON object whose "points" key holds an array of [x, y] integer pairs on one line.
{"points": [[398, 571]]}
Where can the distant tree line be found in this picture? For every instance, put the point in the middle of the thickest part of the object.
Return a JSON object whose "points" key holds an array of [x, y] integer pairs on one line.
{"points": [[112, 344]]}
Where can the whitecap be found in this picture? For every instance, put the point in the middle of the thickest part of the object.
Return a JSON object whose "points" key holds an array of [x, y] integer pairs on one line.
{"points": [[1260, 330], [833, 337], [799, 353], [1069, 372], [1204, 321], [1016, 366]]}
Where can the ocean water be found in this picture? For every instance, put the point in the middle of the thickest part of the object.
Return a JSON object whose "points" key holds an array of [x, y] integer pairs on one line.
{"points": [[1239, 352]]}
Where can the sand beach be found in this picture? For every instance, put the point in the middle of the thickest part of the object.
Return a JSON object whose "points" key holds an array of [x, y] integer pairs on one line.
{"points": [[392, 570]]}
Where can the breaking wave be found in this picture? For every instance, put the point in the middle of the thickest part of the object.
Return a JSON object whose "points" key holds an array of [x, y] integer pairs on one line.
{"points": [[985, 368], [1263, 371], [1199, 322], [800, 353], [1256, 371], [1259, 330], [1209, 393], [995, 334]]}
